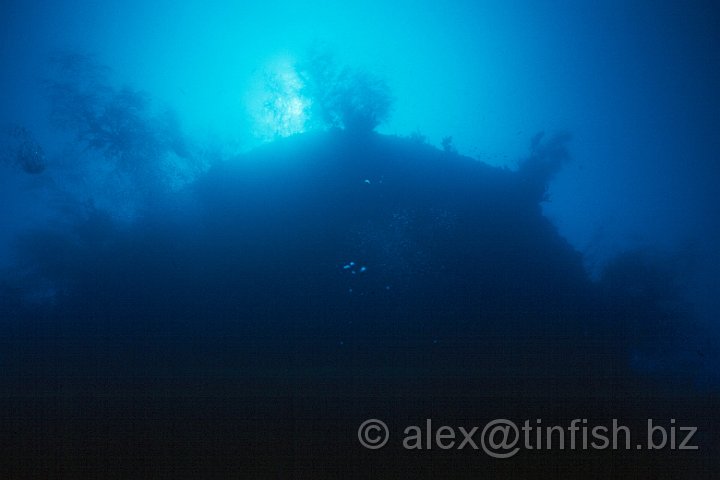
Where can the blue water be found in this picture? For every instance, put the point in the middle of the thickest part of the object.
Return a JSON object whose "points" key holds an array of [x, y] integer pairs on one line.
{"points": [[232, 231]]}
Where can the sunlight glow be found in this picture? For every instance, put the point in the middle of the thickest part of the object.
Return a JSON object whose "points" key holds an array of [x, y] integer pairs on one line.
{"points": [[278, 107]]}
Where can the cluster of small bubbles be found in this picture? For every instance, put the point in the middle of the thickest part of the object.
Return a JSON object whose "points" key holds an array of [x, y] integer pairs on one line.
{"points": [[354, 269]]}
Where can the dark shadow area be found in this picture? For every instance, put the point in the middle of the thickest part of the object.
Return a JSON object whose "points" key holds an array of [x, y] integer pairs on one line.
{"points": [[322, 280]]}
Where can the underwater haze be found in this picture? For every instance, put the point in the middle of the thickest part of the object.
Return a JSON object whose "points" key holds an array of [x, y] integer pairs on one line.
{"points": [[233, 231]]}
